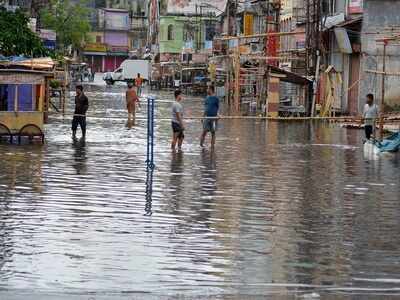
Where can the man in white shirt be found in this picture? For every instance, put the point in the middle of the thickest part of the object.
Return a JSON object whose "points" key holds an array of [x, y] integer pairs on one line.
{"points": [[370, 114], [177, 121]]}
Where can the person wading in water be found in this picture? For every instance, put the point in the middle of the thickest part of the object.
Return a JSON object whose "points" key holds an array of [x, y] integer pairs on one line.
{"points": [[81, 107], [131, 100], [370, 114], [211, 108], [139, 83], [177, 121]]}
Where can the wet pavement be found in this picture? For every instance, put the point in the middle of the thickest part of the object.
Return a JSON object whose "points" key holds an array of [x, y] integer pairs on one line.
{"points": [[276, 211]]}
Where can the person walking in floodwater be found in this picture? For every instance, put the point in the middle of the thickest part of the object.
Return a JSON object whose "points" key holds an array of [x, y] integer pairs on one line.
{"points": [[81, 107], [177, 121], [139, 83], [370, 115], [131, 101], [211, 108]]}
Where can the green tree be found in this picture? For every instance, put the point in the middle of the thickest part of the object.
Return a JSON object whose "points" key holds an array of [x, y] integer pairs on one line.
{"points": [[16, 38], [69, 20]]}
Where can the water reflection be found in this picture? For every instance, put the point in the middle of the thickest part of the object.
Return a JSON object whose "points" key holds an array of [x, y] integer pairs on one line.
{"points": [[276, 208], [80, 158], [149, 191]]}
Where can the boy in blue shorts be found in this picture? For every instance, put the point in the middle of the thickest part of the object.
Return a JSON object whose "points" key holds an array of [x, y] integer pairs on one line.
{"points": [[211, 108]]}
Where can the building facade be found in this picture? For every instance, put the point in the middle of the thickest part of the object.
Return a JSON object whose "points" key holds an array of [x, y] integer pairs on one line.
{"points": [[381, 20], [119, 33]]}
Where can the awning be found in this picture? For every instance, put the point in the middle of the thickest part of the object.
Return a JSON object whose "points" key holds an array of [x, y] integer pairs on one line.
{"points": [[45, 63], [349, 22], [290, 76], [95, 53], [21, 78]]}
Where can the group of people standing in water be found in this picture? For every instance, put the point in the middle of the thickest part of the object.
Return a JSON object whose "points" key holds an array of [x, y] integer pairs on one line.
{"points": [[211, 109]]}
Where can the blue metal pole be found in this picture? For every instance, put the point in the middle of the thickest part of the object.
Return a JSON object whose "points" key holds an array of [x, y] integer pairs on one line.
{"points": [[152, 133], [148, 132]]}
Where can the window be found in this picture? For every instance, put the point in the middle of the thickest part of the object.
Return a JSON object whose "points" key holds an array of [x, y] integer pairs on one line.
{"points": [[98, 39], [170, 32]]}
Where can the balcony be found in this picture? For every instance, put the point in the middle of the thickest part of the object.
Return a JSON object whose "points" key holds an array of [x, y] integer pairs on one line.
{"points": [[138, 23]]}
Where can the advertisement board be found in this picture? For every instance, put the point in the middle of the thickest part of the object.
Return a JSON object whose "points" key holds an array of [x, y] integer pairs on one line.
{"points": [[95, 47], [117, 20], [356, 6], [47, 34], [191, 7], [248, 24]]}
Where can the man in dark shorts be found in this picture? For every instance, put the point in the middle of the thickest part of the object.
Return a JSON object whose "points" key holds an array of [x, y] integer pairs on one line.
{"points": [[211, 108], [177, 121], [81, 107]]}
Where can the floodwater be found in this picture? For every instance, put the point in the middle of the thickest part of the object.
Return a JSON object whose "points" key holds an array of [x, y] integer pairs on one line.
{"points": [[276, 211]]}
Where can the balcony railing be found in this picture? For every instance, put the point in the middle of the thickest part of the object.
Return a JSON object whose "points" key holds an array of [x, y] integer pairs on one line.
{"points": [[138, 23]]}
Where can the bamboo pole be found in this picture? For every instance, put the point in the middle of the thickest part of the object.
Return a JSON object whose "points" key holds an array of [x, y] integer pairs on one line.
{"points": [[237, 80], [259, 35], [383, 93], [383, 73], [386, 119]]}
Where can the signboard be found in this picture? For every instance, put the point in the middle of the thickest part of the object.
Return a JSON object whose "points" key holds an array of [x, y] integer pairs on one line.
{"points": [[248, 24], [47, 34], [32, 24], [343, 40], [118, 49], [117, 20], [356, 7], [49, 38], [272, 48], [300, 41], [199, 58], [95, 47], [193, 7], [49, 44]]}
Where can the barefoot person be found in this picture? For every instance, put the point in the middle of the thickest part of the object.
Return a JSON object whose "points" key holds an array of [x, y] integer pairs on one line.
{"points": [[177, 121], [81, 107], [131, 101], [370, 115], [139, 83], [211, 108]]}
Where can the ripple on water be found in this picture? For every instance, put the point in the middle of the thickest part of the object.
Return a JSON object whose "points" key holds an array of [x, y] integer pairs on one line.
{"points": [[278, 210]]}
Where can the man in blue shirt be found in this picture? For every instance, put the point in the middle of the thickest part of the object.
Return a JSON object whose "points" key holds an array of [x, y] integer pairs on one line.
{"points": [[211, 107]]}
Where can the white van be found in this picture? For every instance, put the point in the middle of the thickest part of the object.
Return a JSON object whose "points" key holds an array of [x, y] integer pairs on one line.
{"points": [[128, 71]]}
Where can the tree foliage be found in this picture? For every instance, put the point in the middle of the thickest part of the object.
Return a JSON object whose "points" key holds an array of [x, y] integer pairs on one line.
{"points": [[69, 20], [16, 38]]}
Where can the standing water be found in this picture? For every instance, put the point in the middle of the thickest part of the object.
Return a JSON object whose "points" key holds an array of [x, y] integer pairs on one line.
{"points": [[285, 210]]}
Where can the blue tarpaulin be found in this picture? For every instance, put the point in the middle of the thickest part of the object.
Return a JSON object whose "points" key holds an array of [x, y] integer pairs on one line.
{"points": [[25, 97], [390, 144]]}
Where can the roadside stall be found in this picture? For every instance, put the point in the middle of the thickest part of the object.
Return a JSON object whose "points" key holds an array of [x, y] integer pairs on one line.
{"points": [[24, 99], [194, 80]]}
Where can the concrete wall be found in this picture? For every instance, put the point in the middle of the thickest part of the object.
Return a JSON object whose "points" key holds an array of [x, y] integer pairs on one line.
{"points": [[177, 44], [379, 15], [113, 38]]}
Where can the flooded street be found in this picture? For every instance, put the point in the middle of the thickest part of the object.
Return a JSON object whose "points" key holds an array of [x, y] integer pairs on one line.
{"points": [[277, 209]]}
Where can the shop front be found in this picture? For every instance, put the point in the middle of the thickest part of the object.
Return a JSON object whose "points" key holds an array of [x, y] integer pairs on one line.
{"points": [[95, 56]]}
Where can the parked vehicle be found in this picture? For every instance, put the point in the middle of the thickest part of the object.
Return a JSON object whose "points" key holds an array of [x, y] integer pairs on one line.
{"points": [[128, 71], [194, 79]]}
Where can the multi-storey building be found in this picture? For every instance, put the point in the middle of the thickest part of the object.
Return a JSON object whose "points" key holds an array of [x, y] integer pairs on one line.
{"points": [[120, 32], [183, 31]]}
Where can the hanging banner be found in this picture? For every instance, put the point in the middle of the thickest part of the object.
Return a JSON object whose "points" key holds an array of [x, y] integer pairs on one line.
{"points": [[248, 24], [272, 48], [356, 7]]}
